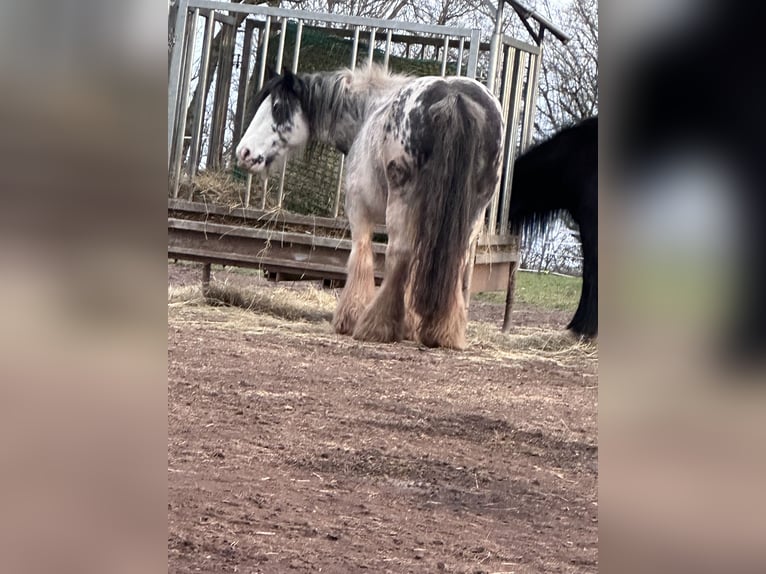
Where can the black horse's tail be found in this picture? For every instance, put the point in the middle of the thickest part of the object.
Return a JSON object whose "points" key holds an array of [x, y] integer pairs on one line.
{"points": [[560, 176], [449, 194]]}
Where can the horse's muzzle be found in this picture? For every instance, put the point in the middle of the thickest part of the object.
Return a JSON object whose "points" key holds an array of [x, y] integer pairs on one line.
{"points": [[254, 163]]}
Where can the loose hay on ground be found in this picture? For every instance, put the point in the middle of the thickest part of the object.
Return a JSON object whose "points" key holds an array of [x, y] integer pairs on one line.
{"points": [[293, 304], [307, 310]]}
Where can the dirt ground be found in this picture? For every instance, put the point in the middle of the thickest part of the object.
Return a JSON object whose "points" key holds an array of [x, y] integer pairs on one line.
{"points": [[293, 449]]}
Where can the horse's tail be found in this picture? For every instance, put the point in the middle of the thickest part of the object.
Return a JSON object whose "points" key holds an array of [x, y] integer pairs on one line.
{"points": [[447, 200], [534, 224], [538, 194]]}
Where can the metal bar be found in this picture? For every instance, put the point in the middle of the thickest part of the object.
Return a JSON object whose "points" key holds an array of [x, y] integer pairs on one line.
{"points": [[224, 19], [388, 48], [330, 18], [518, 44], [372, 46], [184, 97], [534, 80], [524, 109], [179, 117], [355, 48], [511, 136], [248, 188], [264, 37], [296, 53], [527, 12], [473, 53], [281, 47], [174, 73], [444, 56], [529, 103], [460, 56], [222, 97], [244, 75], [265, 43], [504, 100], [281, 192], [280, 57], [509, 101], [523, 17], [265, 193], [172, 17], [194, 150], [339, 187], [494, 47]]}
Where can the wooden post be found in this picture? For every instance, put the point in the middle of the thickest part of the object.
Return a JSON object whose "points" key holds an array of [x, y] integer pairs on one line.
{"points": [[509, 295], [205, 278]]}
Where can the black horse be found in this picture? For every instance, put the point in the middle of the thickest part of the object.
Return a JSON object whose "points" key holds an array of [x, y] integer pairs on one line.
{"points": [[561, 174]]}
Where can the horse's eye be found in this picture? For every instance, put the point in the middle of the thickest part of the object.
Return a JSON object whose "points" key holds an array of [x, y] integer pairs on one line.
{"points": [[276, 108]]}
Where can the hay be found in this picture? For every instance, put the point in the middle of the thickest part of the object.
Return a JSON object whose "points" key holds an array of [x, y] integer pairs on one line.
{"points": [[529, 342], [310, 304], [306, 310], [224, 187]]}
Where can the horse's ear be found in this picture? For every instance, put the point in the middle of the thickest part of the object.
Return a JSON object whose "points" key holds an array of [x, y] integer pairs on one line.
{"points": [[290, 80]]}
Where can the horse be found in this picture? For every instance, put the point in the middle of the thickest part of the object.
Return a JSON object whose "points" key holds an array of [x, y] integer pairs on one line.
{"points": [[423, 156], [561, 174]]}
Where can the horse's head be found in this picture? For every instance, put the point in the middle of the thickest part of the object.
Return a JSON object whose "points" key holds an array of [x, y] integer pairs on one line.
{"points": [[279, 127]]}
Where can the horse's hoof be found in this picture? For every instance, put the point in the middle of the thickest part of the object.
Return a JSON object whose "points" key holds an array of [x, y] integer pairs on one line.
{"points": [[343, 325], [456, 342], [377, 333]]}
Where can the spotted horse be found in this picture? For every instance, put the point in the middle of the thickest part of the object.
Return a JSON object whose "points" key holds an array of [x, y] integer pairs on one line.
{"points": [[423, 156]]}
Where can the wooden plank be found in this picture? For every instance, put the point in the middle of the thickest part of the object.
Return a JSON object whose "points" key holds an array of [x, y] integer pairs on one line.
{"points": [[489, 277], [268, 235], [313, 270], [486, 240], [234, 247], [297, 255], [259, 215], [496, 257]]}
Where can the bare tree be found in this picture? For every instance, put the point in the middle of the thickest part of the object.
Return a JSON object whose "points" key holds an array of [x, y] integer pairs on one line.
{"points": [[568, 86]]}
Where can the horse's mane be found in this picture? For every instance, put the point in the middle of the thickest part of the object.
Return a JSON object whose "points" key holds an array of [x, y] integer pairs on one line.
{"points": [[338, 102]]}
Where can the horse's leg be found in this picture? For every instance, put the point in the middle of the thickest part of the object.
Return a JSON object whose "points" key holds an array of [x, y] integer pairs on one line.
{"points": [[411, 318], [470, 256], [585, 320], [384, 320], [360, 279], [447, 328]]}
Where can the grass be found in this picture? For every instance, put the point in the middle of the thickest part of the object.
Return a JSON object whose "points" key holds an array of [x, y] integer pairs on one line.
{"points": [[551, 292]]}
